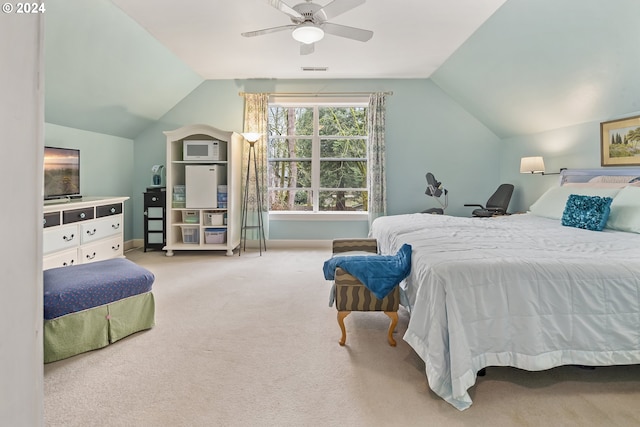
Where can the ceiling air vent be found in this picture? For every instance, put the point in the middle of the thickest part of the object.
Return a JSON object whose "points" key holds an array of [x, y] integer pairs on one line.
{"points": [[315, 68]]}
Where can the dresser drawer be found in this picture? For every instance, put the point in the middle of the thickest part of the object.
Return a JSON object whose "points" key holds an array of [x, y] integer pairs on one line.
{"points": [[104, 249], [100, 228], [154, 199], [51, 219], [59, 238], [60, 259], [106, 210], [76, 215]]}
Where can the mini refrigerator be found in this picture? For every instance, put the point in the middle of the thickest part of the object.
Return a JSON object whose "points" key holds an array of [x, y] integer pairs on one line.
{"points": [[201, 185]]}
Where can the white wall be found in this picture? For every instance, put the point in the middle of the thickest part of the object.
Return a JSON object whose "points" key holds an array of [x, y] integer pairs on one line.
{"points": [[22, 122]]}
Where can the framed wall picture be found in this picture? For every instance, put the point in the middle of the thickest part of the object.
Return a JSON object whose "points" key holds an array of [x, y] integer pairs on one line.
{"points": [[620, 142]]}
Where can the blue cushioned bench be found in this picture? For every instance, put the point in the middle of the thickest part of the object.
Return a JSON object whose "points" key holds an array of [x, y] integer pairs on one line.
{"points": [[90, 306]]}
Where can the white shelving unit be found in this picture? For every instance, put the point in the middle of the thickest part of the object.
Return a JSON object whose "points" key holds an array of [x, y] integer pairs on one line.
{"points": [[191, 228]]}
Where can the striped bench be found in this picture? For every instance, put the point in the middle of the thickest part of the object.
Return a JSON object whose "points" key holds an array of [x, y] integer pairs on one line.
{"points": [[352, 295]]}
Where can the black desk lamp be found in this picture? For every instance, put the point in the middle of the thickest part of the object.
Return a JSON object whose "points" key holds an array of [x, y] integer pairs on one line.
{"points": [[435, 190]]}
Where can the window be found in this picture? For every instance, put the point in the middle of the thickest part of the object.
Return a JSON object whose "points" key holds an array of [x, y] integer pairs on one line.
{"points": [[317, 156]]}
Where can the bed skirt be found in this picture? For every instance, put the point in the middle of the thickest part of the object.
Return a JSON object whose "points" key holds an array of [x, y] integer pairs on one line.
{"points": [[97, 327]]}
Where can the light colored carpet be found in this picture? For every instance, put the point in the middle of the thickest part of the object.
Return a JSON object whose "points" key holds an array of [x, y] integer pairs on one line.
{"points": [[251, 341]]}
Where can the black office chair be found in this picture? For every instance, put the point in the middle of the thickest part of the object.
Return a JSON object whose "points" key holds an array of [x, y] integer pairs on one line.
{"points": [[497, 203]]}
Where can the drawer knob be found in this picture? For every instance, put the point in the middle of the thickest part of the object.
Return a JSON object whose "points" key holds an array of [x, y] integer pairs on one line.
{"points": [[68, 238], [83, 215], [91, 232], [91, 256], [154, 199], [115, 226], [116, 247], [112, 210]]}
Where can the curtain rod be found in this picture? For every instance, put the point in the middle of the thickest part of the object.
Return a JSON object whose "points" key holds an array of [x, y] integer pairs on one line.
{"points": [[314, 94]]}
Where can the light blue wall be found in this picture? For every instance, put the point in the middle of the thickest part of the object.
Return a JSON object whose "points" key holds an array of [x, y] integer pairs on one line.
{"points": [[214, 102], [426, 131], [539, 65], [536, 79], [542, 75], [106, 164], [570, 147], [105, 73]]}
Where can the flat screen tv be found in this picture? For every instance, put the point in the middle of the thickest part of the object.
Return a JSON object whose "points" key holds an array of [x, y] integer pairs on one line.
{"points": [[61, 173]]}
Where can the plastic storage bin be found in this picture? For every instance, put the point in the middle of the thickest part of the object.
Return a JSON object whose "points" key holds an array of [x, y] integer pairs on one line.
{"points": [[215, 235], [179, 198], [190, 234], [213, 218], [190, 217], [222, 196]]}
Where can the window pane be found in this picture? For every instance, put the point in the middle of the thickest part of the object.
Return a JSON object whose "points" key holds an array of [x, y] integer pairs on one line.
{"points": [[289, 148], [343, 174], [289, 174], [343, 148], [328, 162], [290, 121], [290, 200], [343, 121], [343, 200]]}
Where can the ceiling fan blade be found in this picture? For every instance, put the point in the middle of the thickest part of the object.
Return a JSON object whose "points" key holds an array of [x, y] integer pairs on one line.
{"points": [[348, 32], [335, 8], [307, 49], [268, 30], [285, 8]]}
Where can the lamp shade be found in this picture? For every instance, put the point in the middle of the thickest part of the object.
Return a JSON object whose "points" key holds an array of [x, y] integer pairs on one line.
{"points": [[308, 33], [251, 136], [532, 165]]}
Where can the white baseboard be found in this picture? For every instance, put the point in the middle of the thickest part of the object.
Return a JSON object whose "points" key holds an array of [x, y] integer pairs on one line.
{"points": [[275, 244], [134, 243], [295, 244]]}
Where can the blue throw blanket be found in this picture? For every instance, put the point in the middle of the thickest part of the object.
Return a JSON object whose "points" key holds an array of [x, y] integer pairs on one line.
{"points": [[379, 273]]}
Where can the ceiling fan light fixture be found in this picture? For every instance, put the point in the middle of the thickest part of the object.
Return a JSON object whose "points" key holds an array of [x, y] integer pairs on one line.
{"points": [[308, 33]]}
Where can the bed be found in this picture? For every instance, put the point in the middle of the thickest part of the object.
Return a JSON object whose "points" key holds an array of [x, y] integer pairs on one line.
{"points": [[522, 290], [89, 306]]}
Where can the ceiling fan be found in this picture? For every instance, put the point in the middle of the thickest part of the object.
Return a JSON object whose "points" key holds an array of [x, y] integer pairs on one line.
{"points": [[309, 22]]}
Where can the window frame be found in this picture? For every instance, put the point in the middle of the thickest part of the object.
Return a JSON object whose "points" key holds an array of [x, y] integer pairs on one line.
{"points": [[317, 102]]}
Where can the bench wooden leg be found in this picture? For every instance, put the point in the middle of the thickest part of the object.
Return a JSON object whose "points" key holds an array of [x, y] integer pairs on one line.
{"points": [[341, 316], [393, 315]]}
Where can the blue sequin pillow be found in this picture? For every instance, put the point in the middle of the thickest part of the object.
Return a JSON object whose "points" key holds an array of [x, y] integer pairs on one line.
{"points": [[588, 212]]}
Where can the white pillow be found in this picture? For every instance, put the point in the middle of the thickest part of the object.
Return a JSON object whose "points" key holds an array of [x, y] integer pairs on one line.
{"points": [[552, 203], [590, 184], [612, 178], [625, 210]]}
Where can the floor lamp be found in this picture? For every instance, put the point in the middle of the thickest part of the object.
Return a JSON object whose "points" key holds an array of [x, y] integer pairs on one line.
{"points": [[252, 138]]}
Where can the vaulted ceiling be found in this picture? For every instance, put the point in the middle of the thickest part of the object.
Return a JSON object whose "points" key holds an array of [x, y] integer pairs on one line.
{"points": [[411, 38], [116, 66], [519, 66]]}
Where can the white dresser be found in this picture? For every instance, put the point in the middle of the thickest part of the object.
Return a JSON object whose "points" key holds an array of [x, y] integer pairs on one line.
{"points": [[88, 230]]}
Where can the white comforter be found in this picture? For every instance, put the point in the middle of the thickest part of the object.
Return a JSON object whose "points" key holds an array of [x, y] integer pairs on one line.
{"points": [[517, 290]]}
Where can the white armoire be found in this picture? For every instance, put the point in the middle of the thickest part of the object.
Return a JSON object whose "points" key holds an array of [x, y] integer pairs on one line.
{"points": [[203, 196]]}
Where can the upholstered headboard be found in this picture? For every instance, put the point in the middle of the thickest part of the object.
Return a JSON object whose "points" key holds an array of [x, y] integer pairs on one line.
{"points": [[621, 175], [621, 184]]}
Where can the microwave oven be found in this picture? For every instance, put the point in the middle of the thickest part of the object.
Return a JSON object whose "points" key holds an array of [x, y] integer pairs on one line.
{"points": [[203, 150]]}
